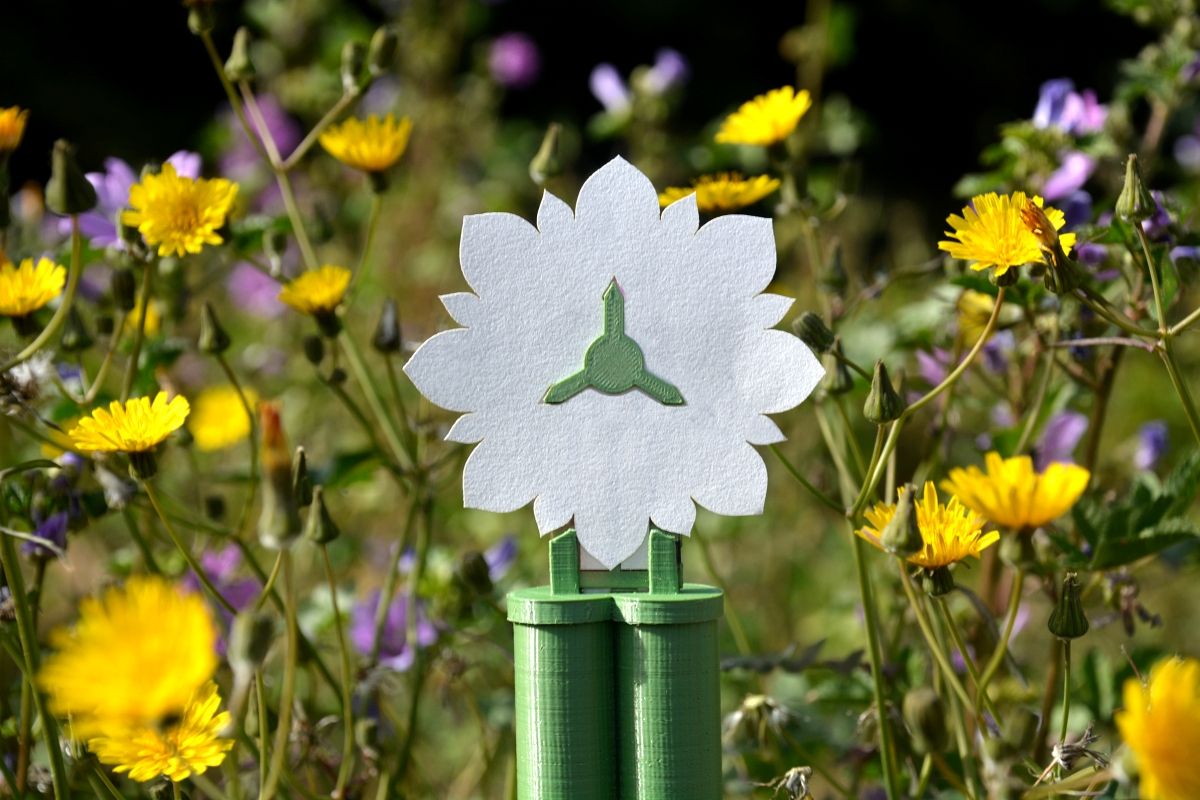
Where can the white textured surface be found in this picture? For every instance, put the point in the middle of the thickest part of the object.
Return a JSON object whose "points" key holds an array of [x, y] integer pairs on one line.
{"points": [[693, 302]]}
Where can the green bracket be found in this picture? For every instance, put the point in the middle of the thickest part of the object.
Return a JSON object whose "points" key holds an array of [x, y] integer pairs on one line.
{"points": [[564, 563], [664, 574]]}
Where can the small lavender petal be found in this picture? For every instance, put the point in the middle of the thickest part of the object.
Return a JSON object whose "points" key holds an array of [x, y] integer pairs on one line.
{"points": [[933, 367], [253, 291], [514, 60], [1077, 209], [1092, 114], [609, 88], [1059, 438], [500, 557], [1052, 101], [670, 70], [1153, 442], [1070, 177]]}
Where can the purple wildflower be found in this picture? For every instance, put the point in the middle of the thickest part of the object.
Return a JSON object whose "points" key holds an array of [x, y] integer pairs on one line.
{"points": [[1077, 209], [1060, 106], [394, 650], [1152, 444], [669, 71], [933, 366], [997, 349], [1158, 226], [1059, 438], [52, 529], [1090, 254], [254, 292], [500, 557], [1185, 253], [609, 88], [99, 226], [221, 567], [514, 60], [1076, 168]]}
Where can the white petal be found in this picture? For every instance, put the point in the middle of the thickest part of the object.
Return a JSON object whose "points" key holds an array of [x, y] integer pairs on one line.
{"points": [[611, 535], [736, 485], [768, 309], [741, 249], [677, 516], [496, 478], [551, 512], [463, 307], [759, 430], [439, 369], [682, 214], [493, 246], [467, 429], [779, 373], [617, 194], [553, 214]]}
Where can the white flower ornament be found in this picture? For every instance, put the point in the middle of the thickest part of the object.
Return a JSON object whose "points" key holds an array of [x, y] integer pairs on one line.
{"points": [[615, 364]]}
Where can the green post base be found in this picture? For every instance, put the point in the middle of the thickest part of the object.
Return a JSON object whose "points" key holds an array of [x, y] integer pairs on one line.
{"points": [[617, 691]]}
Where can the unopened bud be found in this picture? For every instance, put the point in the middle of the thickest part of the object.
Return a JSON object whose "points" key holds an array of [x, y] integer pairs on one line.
{"points": [[545, 163], [387, 331], [353, 57], [937, 581], [314, 348], [279, 521], [474, 574], [1134, 204], [382, 51], [239, 67], [838, 379], [883, 403], [213, 338], [925, 716], [1067, 620], [214, 507], [201, 18], [1007, 278], [902, 536], [123, 287], [75, 337], [68, 191], [250, 639], [275, 244], [302, 486], [142, 465], [321, 529], [813, 331], [105, 324]]}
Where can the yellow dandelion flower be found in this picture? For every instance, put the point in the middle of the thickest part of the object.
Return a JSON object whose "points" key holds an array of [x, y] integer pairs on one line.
{"points": [[974, 311], [153, 318], [1161, 725], [178, 751], [1012, 494], [136, 426], [134, 659], [12, 128], [318, 291], [991, 233], [27, 288], [726, 191], [219, 419], [370, 145], [178, 214], [767, 119], [950, 532]]}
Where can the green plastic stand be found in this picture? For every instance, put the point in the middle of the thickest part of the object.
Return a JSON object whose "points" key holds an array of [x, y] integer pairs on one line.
{"points": [[617, 693]]}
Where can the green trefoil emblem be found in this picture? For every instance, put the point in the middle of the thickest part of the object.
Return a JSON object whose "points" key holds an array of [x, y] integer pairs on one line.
{"points": [[614, 363]]}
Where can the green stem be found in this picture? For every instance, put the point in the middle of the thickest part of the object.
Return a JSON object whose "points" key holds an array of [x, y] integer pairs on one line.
{"points": [[981, 700], [231, 93], [32, 657], [825, 499], [923, 779], [848, 430], [184, 550], [1034, 410], [1066, 712], [114, 342], [139, 335], [283, 727], [931, 640], [871, 618], [364, 258], [252, 441], [1185, 323], [370, 388], [260, 695], [1070, 785], [1010, 621], [401, 409], [64, 308], [735, 623], [389, 464], [269, 584], [346, 768], [388, 591], [314, 135], [424, 537]]}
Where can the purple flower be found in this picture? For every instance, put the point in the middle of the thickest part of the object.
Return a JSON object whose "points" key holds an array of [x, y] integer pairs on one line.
{"points": [[254, 292], [1187, 152], [99, 226], [1185, 253], [1059, 438], [242, 159], [52, 529], [609, 88], [394, 650], [1060, 106], [1090, 254], [221, 567], [933, 366], [514, 60], [670, 70], [1070, 177], [500, 557], [1152, 444], [1077, 209], [1158, 225], [997, 349]]}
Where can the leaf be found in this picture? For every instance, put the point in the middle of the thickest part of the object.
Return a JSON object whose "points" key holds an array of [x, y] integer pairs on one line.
{"points": [[25, 466], [1182, 484], [347, 468], [1119, 551]]}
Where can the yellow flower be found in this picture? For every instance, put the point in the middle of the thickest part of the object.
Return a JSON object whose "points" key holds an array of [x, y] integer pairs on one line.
{"points": [[992, 232], [974, 311], [134, 659], [12, 128], [180, 215], [133, 318], [219, 419], [317, 291], [727, 191], [27, 288], [133, 427], [1013, 495], [1161, 725], [177, 751], [371, 145], [950, 532], [767, 119]]}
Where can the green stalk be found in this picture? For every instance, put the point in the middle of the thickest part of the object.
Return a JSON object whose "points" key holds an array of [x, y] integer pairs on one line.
{"points": [[64, 308], [287, 693], [140, 334], [931, 640], [735, 624], [388, 591], [358, 365], [364, 258], [1010, 620], [260, 695], [252, 441], [825, 499], [313, 135], [185, 551], [346, 768], [981, 700], [32, 657], [1066, 712], [424, 537]]}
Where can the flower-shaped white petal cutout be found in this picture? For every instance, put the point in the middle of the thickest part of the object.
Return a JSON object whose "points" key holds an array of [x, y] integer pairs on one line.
{"points": [[694, 305]]}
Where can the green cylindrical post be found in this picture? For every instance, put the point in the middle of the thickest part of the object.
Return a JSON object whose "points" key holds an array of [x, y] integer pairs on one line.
{"points": [[668, 701]]}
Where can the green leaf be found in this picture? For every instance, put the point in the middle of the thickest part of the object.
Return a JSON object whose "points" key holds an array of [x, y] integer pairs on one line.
{"points": [[347, 468], [25, 466], [1183, 484], [1119, 551]]}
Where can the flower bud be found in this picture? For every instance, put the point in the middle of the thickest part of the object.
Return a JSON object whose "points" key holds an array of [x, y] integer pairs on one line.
{"points": [[142, 465], [105, 324], [474, 574], [239, 67], [838, 379], [302, 486], [213, 338], [275, 244], [321, 529], [387, 331], [353, 57], [314, 349], [68, 191], [902, 536], [75, 336], [250, 639], [545, 163], [123, 288], [1134, 204], [937, 582], [279, 521], [337, 376], [1008, 278], [925, 716], [813, 331], [883, 403], [382, 51], [214, 507], [201, 19], [1067, 620]]}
